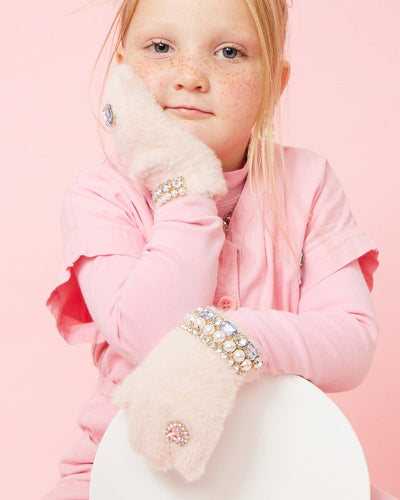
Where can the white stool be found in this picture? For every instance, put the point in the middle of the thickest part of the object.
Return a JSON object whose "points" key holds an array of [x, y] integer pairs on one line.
{"points": [[285, 440]]}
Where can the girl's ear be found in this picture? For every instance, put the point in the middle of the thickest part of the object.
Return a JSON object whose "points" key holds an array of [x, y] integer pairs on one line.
{"points": [[285, 75], [120, 54]]}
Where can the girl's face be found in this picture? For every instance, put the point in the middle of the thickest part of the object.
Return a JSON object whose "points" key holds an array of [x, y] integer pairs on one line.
{"points": [[202, 61]]}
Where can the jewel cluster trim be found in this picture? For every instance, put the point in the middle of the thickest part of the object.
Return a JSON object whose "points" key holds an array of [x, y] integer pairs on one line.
{"points": [[224, 338], [177, 433], [169, 190]]}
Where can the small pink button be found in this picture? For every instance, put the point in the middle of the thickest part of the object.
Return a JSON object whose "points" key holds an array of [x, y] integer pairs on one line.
{"points": [[227, 303]]}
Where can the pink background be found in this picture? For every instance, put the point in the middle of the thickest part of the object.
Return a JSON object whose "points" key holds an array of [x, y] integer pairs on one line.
{"points": [[342, 101]]}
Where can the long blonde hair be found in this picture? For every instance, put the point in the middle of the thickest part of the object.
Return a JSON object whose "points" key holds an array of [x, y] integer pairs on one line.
{"points": [[270, 17]]}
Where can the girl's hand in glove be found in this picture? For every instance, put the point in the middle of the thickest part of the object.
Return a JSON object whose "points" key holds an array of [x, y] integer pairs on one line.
{"points": [[154, 145], [181, 380]]}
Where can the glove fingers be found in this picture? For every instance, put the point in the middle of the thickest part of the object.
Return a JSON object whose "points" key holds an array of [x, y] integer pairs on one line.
{"points": [[147, 437], [190, 460]]}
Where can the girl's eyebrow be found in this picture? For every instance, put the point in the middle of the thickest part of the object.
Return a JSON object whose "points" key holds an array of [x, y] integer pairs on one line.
{"points": [[218, 34]]}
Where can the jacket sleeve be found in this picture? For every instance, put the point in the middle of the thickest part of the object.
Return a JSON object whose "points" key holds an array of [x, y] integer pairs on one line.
{"points": [[330, 341], [127, 280]]}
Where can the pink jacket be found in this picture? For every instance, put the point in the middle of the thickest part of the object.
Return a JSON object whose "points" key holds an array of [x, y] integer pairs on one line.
{"points": [[130, 273]]}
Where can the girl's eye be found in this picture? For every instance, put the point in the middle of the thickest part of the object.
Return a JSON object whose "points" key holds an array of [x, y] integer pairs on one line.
{"points": [[160, 47], [230, 52]]}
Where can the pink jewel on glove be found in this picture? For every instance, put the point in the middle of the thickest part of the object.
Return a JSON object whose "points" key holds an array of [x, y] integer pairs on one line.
{"points": [[182, 387], [177, 433]]}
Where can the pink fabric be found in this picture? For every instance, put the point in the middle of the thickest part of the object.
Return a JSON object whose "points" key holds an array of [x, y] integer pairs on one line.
{"points": [[132, 269], [378, 494]]}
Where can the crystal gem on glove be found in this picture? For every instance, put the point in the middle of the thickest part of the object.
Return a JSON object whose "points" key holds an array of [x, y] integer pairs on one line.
{"points": [[177, 433], [108, 115]]}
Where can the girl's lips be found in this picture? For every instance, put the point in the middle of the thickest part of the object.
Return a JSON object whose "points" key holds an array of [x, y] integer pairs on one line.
{"points": [[190, 113]]}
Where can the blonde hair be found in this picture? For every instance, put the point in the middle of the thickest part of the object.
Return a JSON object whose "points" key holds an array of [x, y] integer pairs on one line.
{"points": [[270, 17]]}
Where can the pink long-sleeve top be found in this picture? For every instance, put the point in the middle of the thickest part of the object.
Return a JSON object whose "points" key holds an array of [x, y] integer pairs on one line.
{"points": [[131, 272]]}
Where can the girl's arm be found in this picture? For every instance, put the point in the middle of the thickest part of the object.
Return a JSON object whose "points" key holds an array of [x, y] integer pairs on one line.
{"points": [[332, 339], [106, 214], [134, 300]]}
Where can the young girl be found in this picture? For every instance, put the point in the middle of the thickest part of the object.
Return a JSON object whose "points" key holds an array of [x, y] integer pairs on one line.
{"points": [[202, 253]]}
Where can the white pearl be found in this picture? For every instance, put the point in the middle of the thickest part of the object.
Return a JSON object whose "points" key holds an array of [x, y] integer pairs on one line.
{"points": [[229, 346], [200, 322], [219, 336], [246, 365], [192, 318], [209, 329], [238, 355]]}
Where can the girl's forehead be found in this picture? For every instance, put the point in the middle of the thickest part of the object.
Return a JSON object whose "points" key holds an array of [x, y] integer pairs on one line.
{"points": [[234, 14]]}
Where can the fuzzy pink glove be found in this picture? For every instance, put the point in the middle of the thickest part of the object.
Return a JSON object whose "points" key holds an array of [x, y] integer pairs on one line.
{"points": [[154, 145], [192, 376]]}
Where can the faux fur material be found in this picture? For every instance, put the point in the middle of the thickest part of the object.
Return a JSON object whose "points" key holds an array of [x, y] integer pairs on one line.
{"points": [[181, 379], [155, 146]]}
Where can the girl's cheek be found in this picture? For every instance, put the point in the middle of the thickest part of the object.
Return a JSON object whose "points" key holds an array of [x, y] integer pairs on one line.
{"points": [[243, 94], [149, 73]]}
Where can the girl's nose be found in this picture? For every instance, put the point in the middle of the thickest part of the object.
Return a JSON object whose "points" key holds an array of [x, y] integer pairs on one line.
{"points": [[191, 78]]}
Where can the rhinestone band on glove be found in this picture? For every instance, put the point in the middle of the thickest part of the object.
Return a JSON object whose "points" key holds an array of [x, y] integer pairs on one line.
{"points": [[224, 338], [169, 190]]}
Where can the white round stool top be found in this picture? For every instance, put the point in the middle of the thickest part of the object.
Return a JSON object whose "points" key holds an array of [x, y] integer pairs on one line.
{"points": [[285, 440]]}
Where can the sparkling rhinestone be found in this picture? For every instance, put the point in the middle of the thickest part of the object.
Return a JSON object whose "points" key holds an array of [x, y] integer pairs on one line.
{"points": [[174, 193], [167, 196], [159, 191], [218, 350], [228, 328], [200, 310], [219, 336], [166, 186], [250, 351], [257, 363], [236, 368], [108, 115], [224, 355], [246, 365], [238, 355], [213, 345], [206, 339], [209, 329], [241, 340], [230, 362], [182, 191], [177, 182], [207, 313], [229, 346], [216, 320]]}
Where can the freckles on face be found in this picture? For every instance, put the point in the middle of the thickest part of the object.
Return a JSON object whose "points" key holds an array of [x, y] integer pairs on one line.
{"points": [[241, 94], [195, 70]]}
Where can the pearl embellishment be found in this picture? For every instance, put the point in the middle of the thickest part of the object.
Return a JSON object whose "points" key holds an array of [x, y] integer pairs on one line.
{"points": [[229, 346], [238, 356], [219, 336]]}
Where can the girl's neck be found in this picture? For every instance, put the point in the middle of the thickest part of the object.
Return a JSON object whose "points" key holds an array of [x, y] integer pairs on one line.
{"points": [[235, 180]]}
